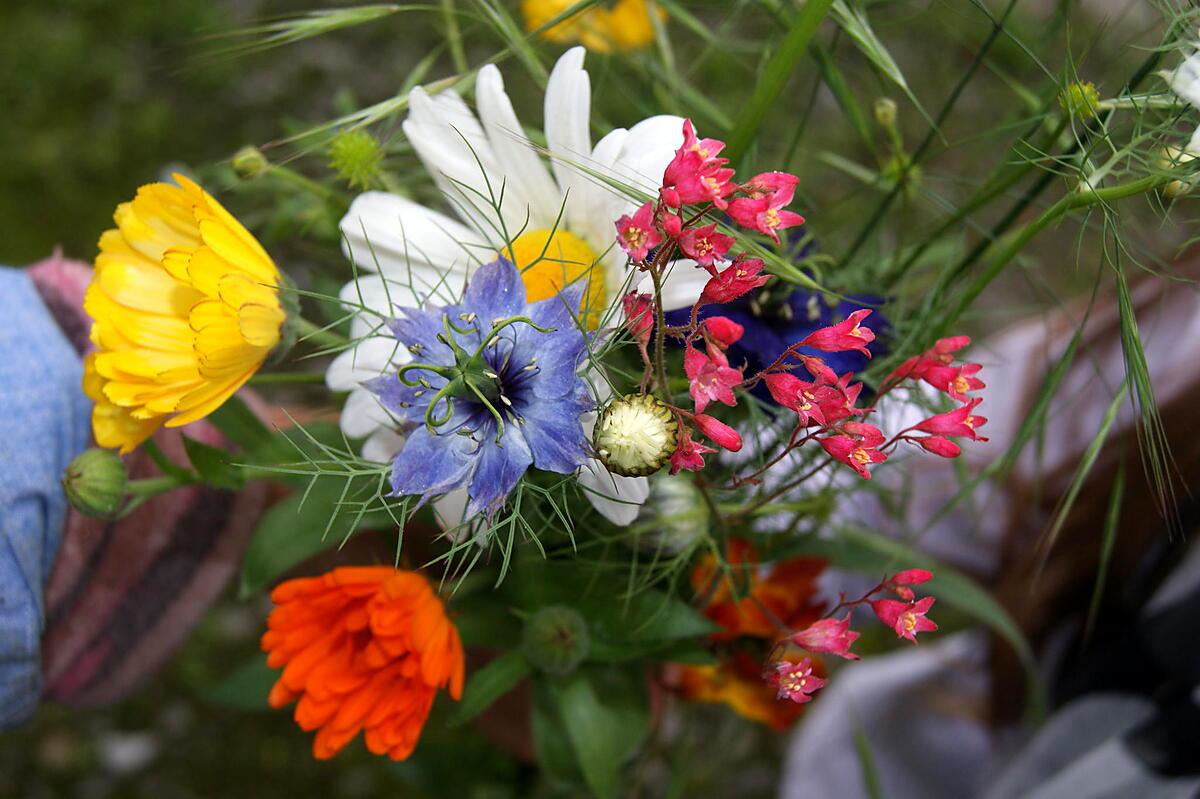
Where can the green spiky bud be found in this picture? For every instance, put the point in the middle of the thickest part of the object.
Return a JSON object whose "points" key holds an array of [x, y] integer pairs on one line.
{"points": [[356, 155], [635, 435], [1080, 100], [556, 640], [95, 483], [249, 163]]}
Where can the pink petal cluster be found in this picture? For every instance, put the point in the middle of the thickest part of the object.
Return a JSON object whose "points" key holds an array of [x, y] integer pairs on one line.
{"points": [[794, 681]]}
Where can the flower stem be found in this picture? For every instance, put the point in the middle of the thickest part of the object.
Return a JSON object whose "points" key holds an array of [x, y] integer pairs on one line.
{"points": [[277, 378], [310, 331]]}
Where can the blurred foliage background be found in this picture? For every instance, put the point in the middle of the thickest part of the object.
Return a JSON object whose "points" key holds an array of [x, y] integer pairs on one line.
{"points": [[100, 97]]}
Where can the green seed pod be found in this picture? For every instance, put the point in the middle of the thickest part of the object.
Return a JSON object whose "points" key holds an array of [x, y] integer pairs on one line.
{"points": [[635, 435], [249, 163], [556, 639], [95, 483], [356, 156]]}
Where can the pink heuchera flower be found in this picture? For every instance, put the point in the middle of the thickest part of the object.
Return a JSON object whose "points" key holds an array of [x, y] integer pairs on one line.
{"points": [[689, 454], [845, 335], [794, 681], [901, 582], [958, 422], [739, 278], [906, 618], [765, 214], [719, 432], [955, 381], [942, 354], [710, 377], [770, 184], [828, 636], [943, 447], [721, 330], [856, 446], [695, 175], [815, 403], [704, 245], [636, 234], [639, 316]]}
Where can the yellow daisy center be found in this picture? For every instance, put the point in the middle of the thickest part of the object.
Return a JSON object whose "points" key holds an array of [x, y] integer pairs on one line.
{"points": [[550, 260]]}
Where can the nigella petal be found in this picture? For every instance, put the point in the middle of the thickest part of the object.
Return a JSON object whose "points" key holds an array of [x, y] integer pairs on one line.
{"points": [[432, 464], [418, 331], [555, 433], [495, 292], [407, 403], [501, 465]]}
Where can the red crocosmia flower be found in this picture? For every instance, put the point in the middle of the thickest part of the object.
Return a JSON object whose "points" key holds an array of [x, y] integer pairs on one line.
{"points": [[759, 601], [689, 453], [720, 433], [363, 650], [856, 446], [958, 422], [636, 234], [956, 381], [794, 681], [639, 316], [704, 245], [765, 214], [828, 637], [845, 335], [942, 354], [738, 279], [943, 447], [710, 377], [906, 618], [722, 331], [770, 184]]}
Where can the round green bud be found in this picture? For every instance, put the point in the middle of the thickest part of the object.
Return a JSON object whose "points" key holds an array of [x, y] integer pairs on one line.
{"points": [[356, 155], [555, 639], [885, 111], [675, 515], [1080, 100], [95, 483], [635, 435], [249, 163]]}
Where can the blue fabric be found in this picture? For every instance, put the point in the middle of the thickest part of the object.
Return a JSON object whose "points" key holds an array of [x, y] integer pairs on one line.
{"points": [[43, 426]]}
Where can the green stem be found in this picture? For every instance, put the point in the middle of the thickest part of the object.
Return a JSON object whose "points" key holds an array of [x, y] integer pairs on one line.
{"points": [[660, 334], [454, 36], [775, 77], [278, 378], [310, 331], [308, 184]]}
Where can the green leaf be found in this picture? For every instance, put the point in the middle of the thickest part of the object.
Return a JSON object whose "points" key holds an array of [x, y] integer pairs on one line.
{"points": [[239, 424], [247, 687], [555, 756], [606, 718], [489, 684], [214, 465]]}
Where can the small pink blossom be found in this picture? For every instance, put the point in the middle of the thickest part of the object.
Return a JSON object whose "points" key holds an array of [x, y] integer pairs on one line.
{"points": [[763, 210], [956, 381], [906, 618], [689, 453], [639, 316], [722, 331], [739, 278], [720, 433], [845, 335], [899, 584], [710, 377], [958, 422], [815, 403], [695, 174], [704, 245], [856, 446], [794, 681], [942, 447], [636, 234], [770, 184], [942, 354], [828, 636]]}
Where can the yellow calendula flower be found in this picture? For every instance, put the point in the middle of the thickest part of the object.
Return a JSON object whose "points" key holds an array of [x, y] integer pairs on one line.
{"points": [[185, 307], [619, 26]]}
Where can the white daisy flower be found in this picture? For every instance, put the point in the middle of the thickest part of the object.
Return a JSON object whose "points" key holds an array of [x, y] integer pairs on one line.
{"points": [[560, 222], [1184, 81]]}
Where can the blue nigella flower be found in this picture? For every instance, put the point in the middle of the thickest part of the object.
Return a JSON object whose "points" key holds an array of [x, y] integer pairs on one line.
{"points": [[493, 389]]}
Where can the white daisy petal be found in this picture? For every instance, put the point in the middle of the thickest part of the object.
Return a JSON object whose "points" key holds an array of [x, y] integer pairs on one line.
{"points": [[568, 111], [523, 169], [362, 414], [382, 445], [616, 498], [681, 285], [368, 359], [1185, 80], [390, 234]]}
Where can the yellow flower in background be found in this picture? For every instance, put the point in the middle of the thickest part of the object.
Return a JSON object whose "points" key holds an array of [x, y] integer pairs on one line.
{"points": [[185, 308], [621, 26]]}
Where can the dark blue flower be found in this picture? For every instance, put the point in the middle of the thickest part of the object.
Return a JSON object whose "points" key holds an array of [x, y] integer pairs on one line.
{"points": [[493, 388]]}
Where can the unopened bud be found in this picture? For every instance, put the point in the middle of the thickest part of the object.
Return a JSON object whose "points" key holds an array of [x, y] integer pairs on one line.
{"points": [[95, 483], [635, 435], [355, 155], [1080, 100], [1173, 158], [885, 111], [675, 515], [556, 639], [249, 163]]}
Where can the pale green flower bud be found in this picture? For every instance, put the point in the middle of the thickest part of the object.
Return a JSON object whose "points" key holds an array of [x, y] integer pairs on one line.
{"points": [[249, 163], [885, 111], [356, 155], [1080, 100], [95, 483], [556, 640]]}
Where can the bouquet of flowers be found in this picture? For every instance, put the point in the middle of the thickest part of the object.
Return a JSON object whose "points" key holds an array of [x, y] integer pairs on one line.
{"points": [[628, 407]]}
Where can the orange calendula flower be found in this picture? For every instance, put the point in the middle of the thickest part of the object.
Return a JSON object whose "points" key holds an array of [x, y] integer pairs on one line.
{"points": [[737, 681], [362, 649], [622, 25], [185, 308], [752, 600]]}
